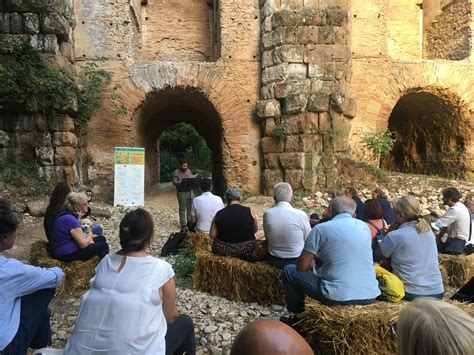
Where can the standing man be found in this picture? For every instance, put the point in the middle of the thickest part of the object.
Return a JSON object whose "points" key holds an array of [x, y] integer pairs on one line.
{"points": [[285, 228], [205, 207], [456, 222], [183, 192]]}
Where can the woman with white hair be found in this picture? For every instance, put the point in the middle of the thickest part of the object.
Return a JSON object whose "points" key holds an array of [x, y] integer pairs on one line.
{"points": [[412, 250], [68, 242], [429, 326]]}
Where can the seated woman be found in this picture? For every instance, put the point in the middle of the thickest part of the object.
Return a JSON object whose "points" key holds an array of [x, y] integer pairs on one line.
{"points": [[413, 252], [381, 197], [233, 228], [25, 293], [429, 326], [131, 305], [56, 203], [68, 241], [373, 216]]}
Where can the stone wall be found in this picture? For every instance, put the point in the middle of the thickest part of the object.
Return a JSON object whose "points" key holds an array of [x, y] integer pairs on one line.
{"points": [[306, 106], [26, 133], [449, 36]]}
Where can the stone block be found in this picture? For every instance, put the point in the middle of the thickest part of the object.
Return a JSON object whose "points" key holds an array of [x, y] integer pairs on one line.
{"points": [[24, 123], [292, 160], [288, 54], [67, 139], [55, 24], [305, 122], [314, 17], [48, 44], [326, 53], [267, 24], [336, 16], [287, 18], [268, 108], [324, 121], [323, 86], [271, 145], [294, 104], [267, 59], [4, 22], [292, 87], [4, 139], [341, 127], [341, 70], [271, 177], [318, 102], [46, 172], [16, 23], [31, 22], [45, 156], [271, 161], [269, 124], [67, 50], [294, 178], [325, 35], [41, 122], [23, 139], [302, 143], [61, 124], [297, 71], [268, 91], [316, 70], [330, 70], [277, 73], [340, 35], [64, 156], [337, 101], [267, 40], [350, 108], [44, 140], [285, 35]]}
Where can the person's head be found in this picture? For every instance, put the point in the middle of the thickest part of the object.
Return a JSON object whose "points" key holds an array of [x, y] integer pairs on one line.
{"points": [[265, 336], [342, 204], [407, 209], [451, 195], [206, 185], [183, 164], [372, 209], [76, 203], [10, 218], [282, 192], [336, 192], [350, 191], [58, 197], [379, 193], [429, 326], [232, 195], [136, 230]]}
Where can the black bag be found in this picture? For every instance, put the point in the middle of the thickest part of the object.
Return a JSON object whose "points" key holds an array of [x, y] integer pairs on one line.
{"points": [[465, 293], [173, 243]]}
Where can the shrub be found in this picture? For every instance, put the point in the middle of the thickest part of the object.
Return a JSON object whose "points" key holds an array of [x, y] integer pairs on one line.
{"points": [[378, 143]]}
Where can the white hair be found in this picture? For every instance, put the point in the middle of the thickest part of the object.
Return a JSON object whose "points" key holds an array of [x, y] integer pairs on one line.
{"points": [[343, 204], [282, 192], [73, 200]]}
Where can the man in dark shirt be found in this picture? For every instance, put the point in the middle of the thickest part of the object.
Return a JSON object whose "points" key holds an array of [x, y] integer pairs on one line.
{"points": [[183, 192], [351, 192]]}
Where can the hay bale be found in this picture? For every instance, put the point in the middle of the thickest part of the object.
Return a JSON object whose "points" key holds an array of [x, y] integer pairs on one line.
{"points": [[77, 274], [197, 241], [459, 269], [354, 329], [238, 280]]}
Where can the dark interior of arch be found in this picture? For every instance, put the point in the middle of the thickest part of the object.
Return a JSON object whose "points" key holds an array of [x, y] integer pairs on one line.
{"points": [[431, 135], [167, 107]]}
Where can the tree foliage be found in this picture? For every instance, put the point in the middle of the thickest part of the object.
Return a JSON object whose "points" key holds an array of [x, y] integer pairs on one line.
{"points": [[379, 143]]}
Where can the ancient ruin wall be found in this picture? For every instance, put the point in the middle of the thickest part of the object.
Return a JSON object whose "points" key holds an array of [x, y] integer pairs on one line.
{"points": [[306, 106], [449, 36], [26, 133]]}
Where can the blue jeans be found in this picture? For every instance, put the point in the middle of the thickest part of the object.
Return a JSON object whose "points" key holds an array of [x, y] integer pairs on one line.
{"points": [[412, 296], [297, 284], [280, 262], [97, 229], [34, 329], [452, 246]]}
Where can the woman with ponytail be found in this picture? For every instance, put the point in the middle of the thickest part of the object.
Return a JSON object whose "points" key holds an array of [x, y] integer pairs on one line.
{"points": [[412, 250]]}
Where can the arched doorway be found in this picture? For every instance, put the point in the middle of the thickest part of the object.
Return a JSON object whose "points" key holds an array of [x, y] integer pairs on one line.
{"points": [[161, 110], [431, 134]]}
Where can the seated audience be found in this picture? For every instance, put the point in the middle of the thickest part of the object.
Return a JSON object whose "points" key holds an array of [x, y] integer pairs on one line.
{"points": [[56, 204], [233, 228], [341, 251], [68, 241], [412, 250], [351, 192], [131, 304], [326, 216], [455, 222], [469, 247], [25, 293], [285, 228], [433, 327], [373, 216], [266, 336], [381, 197], [205, 207]]}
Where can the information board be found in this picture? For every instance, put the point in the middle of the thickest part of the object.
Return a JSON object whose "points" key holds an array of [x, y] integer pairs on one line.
{"points": [[129, 184]]}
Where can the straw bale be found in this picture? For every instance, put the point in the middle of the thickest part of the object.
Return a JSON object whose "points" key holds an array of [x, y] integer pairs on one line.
{"points": [[459, 269], [354, 329], [238, 280], [196, 241], [77, 274]]}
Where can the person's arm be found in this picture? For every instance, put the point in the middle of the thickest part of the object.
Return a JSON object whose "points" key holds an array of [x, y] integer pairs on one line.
{"points": [[441, 232], [448, 218], [175, 179], [33, 278], [306, 226], [306, 261], [387, 246], [78, 237], [255, 221], [168, 295], [193, 214], [309, 255], [213, 230]]}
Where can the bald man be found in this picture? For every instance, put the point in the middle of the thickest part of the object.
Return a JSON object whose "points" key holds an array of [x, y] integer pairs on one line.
{"points": [[265, 336]]}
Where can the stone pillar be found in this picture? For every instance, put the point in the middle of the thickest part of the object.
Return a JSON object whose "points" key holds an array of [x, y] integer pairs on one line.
{"points": [[305, 105]]}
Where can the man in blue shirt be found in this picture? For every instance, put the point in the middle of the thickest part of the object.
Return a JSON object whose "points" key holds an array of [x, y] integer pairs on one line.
{"points": [[336, 265], [25, 293]]}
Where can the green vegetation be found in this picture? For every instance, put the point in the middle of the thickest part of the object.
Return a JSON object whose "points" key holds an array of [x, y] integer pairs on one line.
{"points": [[280, 132], [378, 143], [182, 140], [184, 268]]}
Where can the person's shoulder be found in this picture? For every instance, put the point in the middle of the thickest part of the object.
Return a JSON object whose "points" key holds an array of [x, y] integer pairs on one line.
{"points": [[160, 263]]}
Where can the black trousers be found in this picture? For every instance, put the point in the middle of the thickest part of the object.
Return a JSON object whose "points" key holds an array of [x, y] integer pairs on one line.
{"points": [[99, 248], [180, 337]]}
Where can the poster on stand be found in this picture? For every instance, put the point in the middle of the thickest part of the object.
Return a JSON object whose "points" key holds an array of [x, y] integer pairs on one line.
{"points": [[129, 183]]}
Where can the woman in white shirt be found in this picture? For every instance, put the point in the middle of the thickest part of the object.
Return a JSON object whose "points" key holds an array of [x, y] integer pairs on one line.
{"points": [[131, 305]]}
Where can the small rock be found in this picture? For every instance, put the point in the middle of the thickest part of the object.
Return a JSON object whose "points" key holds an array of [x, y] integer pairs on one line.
{"points": [[277, 307], [210, 329], [36, 208], [226, 336], [265, 312], [243, 314]]}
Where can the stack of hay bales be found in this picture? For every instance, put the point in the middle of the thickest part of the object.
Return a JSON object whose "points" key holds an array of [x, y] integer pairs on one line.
{"points": [[77, 274], [197, 241], [238, 280], [354, 329], [459, 269]]}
